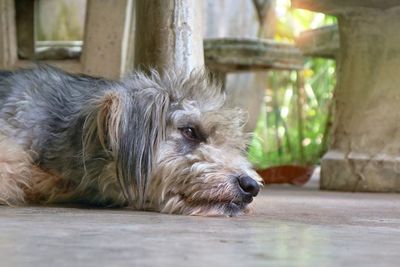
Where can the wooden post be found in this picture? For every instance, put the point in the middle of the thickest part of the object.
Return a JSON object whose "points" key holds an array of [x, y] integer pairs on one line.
{"points": [[169, 34], [25, 28], [104, 38], [8, 43]]}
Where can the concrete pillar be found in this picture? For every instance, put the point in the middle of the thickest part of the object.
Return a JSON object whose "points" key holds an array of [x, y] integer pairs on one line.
{"points": [[104, 37], [169, 34], [365, 153], [8, 43]]}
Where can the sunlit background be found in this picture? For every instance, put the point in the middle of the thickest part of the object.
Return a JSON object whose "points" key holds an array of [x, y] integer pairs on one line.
{"points": [[294, 123]]}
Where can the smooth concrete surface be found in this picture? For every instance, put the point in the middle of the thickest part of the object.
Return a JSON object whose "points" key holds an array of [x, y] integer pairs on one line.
{"points": [[289, 227]]}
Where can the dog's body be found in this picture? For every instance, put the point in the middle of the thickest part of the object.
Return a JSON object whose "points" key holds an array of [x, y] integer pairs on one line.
{"points": [[163, 144]]}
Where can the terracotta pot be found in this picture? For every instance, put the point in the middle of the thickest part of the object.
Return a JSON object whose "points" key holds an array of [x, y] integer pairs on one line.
{"points": [[290, 174]]}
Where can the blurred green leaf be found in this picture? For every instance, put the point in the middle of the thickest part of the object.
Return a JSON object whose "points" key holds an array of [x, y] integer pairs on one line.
{"points": [[319, 79]]}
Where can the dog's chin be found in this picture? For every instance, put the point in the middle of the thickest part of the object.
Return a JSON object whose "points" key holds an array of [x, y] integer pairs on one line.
{"points": [[207, 208], [234, 209], [229, 209]]}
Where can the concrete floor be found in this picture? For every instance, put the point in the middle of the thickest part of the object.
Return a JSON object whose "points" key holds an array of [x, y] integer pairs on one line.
{"points": [[288, 228]]}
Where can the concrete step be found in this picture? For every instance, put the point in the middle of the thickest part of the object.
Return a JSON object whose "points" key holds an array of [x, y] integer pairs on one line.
{"points": [[247, 54]]}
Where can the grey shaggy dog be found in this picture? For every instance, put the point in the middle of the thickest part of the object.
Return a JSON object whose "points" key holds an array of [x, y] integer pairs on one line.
{"points": [[150, 142]]}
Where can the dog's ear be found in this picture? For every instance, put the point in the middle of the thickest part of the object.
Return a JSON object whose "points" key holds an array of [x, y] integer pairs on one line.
{"points": [[130, 126]]}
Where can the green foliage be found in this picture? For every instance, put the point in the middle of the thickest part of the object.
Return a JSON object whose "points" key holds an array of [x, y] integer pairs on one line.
{"points": [[276, 138], [293, 126]]}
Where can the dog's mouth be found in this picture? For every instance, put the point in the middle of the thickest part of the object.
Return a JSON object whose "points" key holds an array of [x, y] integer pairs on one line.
{"points": [[225, 200], [212, 207], [236, 208]]}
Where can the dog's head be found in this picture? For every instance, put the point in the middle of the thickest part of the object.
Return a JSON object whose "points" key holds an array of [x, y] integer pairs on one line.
{"points": [[177, 149]]}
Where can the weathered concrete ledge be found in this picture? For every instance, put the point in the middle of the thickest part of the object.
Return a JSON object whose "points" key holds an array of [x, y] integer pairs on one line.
{"points": [[320, 42], [247, 54], [364, 173]]}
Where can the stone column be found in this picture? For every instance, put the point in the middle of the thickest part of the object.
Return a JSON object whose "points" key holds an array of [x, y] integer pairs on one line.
{"points": [[104, 37], [8, 42], [169, 34], [365, 152]]}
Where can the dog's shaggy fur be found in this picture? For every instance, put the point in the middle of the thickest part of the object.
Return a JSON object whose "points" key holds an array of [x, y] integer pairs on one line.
{"points": [[149, 142]]}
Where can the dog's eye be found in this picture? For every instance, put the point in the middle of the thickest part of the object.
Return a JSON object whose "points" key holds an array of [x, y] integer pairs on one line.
{"points": [[189, 133]]}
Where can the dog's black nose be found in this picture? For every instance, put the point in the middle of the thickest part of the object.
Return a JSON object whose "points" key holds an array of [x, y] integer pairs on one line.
{"points": [[249, 185]]}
